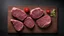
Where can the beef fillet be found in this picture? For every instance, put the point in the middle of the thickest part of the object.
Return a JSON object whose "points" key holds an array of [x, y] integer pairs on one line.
{"points": [[29, 22], [17, 24], [18, 13], [44, 21], [36, 13]]}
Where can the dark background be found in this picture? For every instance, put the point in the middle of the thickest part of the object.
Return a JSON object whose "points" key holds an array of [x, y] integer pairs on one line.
{"points": [[4, 13]]}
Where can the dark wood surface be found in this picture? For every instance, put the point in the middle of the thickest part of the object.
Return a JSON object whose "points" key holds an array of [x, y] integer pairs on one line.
{"points": [[51, 29]]}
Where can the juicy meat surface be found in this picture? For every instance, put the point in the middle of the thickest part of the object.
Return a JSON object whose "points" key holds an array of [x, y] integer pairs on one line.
{"points": [[18, 13], [36, 13], [44, 21], [17, 24], [29, 22]]}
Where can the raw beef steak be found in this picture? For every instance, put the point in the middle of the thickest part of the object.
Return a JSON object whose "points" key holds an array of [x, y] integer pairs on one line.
{"points": [[18, 13], [44, 21], [17, 24], [29, 22], [36, 13]]}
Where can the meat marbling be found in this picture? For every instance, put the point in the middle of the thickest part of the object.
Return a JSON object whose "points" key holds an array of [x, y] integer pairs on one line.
{"points": [[18, 13], [44, 21], [36, 12], [17, 24], [29, 22]]}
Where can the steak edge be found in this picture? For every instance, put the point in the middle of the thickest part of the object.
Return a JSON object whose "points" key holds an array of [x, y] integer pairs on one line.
{"points": [[18, 13], [44, 21], [29, 22], [36, 13], [17, 24]]}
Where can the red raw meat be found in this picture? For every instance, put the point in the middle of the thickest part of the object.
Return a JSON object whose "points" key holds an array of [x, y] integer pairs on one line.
{"points": [[44, 21], [29, 22], [17, 24], [36, 13], [18, 13]]}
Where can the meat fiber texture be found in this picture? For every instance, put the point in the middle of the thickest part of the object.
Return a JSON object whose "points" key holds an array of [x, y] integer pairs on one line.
{"points": [[29, 22], [44, 21], [18, 13], [17, 24], [36, 13]]}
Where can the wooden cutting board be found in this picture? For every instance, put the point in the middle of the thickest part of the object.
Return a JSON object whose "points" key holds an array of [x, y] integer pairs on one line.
{"points": [[51, 29]]}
